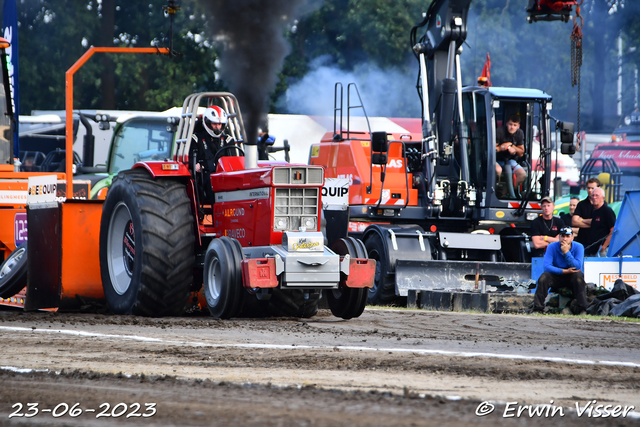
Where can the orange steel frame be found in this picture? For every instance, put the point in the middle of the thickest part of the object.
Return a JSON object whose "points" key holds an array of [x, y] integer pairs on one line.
{"points": [[69, 95]]}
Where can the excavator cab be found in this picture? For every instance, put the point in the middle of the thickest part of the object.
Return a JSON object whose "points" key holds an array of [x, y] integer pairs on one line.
{"points": [[485, 111]]}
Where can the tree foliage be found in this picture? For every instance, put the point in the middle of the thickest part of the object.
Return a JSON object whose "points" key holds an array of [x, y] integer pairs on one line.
{"points": [[352, 34], [54, 34], [536, 55]]}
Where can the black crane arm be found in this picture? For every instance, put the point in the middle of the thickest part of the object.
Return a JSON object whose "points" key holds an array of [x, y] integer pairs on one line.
{"points": [[445, 135]]}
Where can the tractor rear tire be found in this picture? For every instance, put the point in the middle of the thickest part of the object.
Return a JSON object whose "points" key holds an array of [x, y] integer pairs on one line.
{"points": [[13, 272], [147, 245], [348, 303], [384, 287], [223, 278]]}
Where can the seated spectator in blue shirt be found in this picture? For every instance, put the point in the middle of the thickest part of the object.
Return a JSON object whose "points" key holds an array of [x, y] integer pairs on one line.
{"points": [[562, 269]]}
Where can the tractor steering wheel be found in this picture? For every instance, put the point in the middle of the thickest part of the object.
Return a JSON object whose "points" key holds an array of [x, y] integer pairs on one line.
{"points": [[218, 154]]}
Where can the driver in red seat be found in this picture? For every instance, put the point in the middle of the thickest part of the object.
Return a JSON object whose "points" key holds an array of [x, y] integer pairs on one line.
{"points": [[214, 121], [206, 144]]}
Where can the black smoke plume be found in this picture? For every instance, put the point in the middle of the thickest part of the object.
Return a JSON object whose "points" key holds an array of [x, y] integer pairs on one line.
{"points": [[252, 32]]}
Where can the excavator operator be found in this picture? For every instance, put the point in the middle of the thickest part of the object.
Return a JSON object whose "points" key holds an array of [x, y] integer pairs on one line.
{"points": [[510, 146]]}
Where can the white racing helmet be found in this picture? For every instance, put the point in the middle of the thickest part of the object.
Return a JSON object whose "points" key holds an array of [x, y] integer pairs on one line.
{"points": [[211, 115]]}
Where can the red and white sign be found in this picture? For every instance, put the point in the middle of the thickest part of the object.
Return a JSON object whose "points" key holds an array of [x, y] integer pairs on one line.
{"points": [[625, 158]]}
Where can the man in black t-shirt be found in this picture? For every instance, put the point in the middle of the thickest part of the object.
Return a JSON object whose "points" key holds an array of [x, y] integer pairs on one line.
{"points": [[545, 228], [509, 146], [602, 221], [582, 216]]}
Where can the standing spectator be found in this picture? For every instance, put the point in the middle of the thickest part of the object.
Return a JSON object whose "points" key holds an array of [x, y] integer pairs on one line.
{"points": [[544, 229], [602, 222], [562, 269], [583, 213], [566, 217]]}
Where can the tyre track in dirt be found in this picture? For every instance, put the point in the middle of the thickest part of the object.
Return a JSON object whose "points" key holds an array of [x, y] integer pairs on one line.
{"points": [[394, 353]]}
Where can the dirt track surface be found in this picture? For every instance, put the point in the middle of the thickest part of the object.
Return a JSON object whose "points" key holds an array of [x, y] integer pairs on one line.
{"points": [[400, 368]]}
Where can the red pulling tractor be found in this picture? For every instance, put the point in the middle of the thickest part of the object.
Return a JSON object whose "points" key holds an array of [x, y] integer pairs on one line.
{"points": [[257, 247]]}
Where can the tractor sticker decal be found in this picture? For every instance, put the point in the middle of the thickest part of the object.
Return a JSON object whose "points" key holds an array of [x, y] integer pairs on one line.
{"points": [[232, 212], [236, 233], [303, 245], [242, 195]]}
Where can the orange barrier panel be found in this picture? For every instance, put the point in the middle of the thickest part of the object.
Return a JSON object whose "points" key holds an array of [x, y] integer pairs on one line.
{"points": [[80, 272]]}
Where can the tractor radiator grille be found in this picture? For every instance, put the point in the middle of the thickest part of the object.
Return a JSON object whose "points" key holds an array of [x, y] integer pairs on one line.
{"points": [[295, 208]]}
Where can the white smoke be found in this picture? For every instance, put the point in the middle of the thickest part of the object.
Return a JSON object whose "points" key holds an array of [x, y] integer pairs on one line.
{"points": [[384, 92]]}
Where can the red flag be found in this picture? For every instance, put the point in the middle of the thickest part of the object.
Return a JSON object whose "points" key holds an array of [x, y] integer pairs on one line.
{"points": [[485, 77]]}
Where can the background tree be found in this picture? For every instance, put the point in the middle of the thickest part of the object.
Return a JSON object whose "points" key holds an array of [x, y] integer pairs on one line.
{"points": [[54, 34], [350, 39], [366, 41], [355, 33]]}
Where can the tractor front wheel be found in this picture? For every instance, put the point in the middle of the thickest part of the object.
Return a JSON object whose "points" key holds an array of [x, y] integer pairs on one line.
{"points": [[384, 289], [348, 303], [223, 278]]}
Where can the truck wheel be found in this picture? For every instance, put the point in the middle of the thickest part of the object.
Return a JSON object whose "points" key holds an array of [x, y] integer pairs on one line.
{"points": [[13, 272], [348, 303], [146, 245], [384, 289], [223, 278], [292, 303]]}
